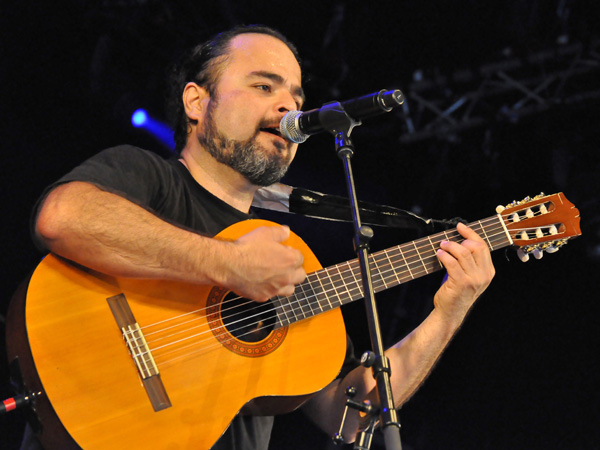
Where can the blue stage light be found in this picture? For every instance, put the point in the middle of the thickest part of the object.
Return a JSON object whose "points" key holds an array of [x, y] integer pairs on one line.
{"points": [[139, 118]]}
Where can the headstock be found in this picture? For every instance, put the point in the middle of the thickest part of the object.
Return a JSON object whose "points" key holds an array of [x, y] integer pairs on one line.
{"points": [[540, 224]]}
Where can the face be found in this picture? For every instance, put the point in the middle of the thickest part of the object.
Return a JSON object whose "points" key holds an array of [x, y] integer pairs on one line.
{"points": [[259, 84]]}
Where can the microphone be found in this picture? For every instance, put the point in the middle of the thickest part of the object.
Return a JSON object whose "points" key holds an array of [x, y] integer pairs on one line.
{"points": [[297, 126]]}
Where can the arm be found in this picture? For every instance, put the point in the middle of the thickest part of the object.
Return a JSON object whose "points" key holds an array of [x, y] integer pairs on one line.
{"points": [[110, 234], [470, 271]]}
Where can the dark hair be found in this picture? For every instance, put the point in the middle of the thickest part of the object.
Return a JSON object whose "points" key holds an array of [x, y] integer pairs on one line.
{"points": [[203, 65]]}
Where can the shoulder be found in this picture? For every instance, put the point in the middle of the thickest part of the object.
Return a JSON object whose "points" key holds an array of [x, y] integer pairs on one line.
{"points": [[129, 154]]}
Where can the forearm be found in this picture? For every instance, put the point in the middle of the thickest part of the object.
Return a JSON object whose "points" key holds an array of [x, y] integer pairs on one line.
{"points": [[411, 361], [413, 358], [110, 234]]}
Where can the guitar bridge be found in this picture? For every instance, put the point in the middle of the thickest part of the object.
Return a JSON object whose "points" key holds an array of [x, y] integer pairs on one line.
{"points": [[140, 352]]}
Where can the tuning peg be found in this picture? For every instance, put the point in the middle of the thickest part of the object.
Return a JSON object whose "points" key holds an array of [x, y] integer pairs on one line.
{"points": [[551, 249], [538, 253], [499, 209], [522, 255]]}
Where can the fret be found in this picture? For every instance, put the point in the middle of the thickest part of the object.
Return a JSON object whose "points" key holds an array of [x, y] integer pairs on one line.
{"points": [[412, 277], [377, 274], [324, 290], [303, 304], [399, 262], [289, 307], [448, 238], [282, 317], [434, 248], [394, 272], [419, 255], [349, 278], [356, 291], [485, 236], [338, 283], [306, 288], [306, 302]]}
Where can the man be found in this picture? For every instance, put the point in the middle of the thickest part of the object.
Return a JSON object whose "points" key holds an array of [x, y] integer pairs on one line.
{"points": [[128, 213]]}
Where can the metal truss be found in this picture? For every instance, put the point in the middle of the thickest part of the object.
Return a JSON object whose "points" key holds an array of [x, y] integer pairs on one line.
{"points": [[442, 107]]}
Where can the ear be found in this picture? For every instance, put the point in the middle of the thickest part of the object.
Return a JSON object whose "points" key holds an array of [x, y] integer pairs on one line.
{"points": [[194, 101]]}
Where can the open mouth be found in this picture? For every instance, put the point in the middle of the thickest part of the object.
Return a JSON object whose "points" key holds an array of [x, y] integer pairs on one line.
{"points": [[272, 130]]}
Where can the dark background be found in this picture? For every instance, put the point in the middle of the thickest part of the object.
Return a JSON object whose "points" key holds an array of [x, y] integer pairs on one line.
{"points": [[521, 374]]}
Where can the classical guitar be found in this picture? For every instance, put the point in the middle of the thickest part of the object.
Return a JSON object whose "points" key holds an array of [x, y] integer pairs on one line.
{"points": [[120, 363]]}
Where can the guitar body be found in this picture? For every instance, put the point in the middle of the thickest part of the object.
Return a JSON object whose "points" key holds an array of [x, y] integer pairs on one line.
{"points": [[91, 381]]}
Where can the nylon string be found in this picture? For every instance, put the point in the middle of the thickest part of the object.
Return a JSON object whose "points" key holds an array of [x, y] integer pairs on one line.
{"points": [[395, 264]]}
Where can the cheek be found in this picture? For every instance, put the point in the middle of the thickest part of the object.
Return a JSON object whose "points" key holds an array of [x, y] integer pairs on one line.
{"points": [[236, 117]]}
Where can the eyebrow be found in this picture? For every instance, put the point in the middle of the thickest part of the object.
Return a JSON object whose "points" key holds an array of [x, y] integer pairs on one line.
{"points": [[296, 90]]}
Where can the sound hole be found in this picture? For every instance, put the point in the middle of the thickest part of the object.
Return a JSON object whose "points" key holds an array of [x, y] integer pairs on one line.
{"points": [[247, 320]]}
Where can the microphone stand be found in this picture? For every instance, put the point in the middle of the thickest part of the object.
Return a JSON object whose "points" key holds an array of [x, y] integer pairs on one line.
{"points": [[334, 119]]}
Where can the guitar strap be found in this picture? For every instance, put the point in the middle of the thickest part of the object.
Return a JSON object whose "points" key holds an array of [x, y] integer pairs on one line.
{"points": [[289, 199]]}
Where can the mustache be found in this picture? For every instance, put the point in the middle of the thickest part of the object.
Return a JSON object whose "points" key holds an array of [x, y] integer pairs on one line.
{"points": [[269, 123]]}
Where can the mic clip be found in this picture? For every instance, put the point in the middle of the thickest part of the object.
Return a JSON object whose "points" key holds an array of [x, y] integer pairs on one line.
{"points": [[334, 118], [365, 408]]}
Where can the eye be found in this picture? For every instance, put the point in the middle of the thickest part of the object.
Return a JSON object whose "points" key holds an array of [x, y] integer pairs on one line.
{"points": [[264, 87]]}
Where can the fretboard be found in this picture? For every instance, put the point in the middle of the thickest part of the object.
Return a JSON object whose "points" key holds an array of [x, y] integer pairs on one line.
{"points": [[337, 285]]}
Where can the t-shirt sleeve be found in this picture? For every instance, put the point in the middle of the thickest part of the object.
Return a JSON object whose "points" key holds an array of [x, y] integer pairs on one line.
{"points": [[127, 171], [350, 361]]}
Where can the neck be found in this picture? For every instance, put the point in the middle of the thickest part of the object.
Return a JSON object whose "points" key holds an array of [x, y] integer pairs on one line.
{"points": [[218, 179]]}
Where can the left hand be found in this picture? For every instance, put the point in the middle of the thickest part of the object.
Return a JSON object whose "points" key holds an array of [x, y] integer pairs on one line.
{"points": [[470, 271]]}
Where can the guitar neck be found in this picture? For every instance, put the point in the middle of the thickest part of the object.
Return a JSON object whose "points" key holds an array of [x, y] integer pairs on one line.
{"points": [[337, 285]]}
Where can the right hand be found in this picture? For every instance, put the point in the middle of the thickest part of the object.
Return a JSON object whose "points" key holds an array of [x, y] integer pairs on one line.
{"points": [[262, 267]]}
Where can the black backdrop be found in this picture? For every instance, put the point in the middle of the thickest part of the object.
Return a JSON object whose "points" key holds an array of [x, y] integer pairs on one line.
{"points": [[522, 371]]}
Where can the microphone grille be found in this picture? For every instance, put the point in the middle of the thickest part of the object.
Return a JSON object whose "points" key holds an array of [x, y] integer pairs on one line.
{"points": [[290, 127]]}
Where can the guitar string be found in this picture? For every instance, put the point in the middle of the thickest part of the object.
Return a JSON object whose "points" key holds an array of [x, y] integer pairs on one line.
{"points": [[200, 348], [382, 277], [320, 270], [431, 242], [314, 274], [373, 257], [204, 348], [295, 306], [381, 280]]}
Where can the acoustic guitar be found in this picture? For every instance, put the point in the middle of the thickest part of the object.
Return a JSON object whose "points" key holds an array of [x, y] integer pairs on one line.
{"points": [[115, 363]]}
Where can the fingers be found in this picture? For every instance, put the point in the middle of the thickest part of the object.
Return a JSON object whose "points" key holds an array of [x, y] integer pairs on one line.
{"points": [[469, 260], [267, 267], [472, 251], [279, 234]]}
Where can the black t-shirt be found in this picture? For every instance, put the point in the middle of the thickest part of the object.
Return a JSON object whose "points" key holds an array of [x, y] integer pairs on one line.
{"points": [[167, 189]]}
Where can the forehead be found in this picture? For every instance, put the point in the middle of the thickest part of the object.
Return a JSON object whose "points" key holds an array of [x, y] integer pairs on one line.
{"points": [[253, 52]]}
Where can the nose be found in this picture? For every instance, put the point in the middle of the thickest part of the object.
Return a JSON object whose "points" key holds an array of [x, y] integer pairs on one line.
{"points": [[286, 102]]}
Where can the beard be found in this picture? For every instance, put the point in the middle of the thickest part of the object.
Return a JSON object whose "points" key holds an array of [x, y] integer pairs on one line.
{"points": [[250, 159]]}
